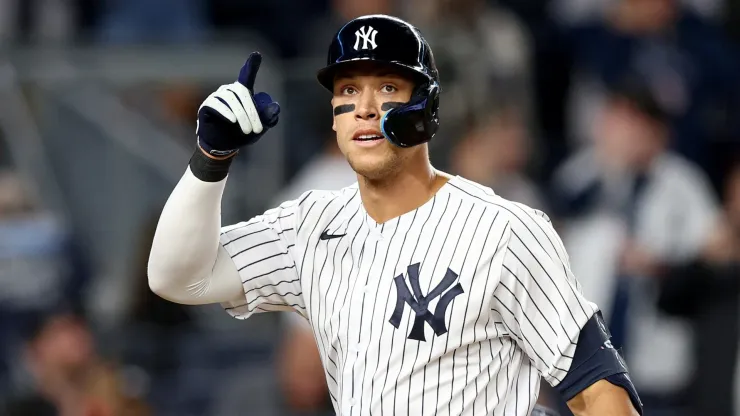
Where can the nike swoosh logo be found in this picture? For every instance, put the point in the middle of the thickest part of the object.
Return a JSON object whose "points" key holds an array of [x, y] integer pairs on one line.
{"points": [[326, 236]]}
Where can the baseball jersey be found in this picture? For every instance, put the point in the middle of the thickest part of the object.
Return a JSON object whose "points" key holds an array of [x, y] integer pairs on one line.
{"points": [[457, 307]]}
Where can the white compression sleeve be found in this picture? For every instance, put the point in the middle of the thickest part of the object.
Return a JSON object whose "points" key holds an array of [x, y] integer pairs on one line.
{"points": [[187, 264]]}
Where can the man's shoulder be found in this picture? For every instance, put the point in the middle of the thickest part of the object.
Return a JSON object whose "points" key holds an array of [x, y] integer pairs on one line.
{"points": [[674, 169], [516, 212], [527, 226]]}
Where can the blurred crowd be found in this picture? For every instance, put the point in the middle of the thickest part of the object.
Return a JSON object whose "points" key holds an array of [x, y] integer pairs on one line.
{"points": [[619, 118]]}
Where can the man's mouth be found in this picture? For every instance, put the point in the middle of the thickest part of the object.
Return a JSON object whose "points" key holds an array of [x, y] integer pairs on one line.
{"points": [[368, 137]]}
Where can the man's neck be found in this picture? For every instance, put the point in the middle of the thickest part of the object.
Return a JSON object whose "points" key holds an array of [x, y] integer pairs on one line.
{"points": [[400, 193]]}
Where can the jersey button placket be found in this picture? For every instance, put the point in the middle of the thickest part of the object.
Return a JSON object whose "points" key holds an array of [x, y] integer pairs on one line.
{"points": [[352, 355], [354, 348], [380, 237], [353, 370], [347, 384], [374, 236]]}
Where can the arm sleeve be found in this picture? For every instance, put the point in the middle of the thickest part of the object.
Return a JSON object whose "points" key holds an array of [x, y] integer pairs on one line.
{"points": [[538, 297], [186, 263]]}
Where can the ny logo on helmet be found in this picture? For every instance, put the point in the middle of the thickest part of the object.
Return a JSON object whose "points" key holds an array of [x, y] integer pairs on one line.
{"points": [[367, 34], [419, 303]]}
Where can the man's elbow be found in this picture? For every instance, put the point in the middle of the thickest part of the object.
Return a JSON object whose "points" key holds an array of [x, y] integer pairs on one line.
{"points": [[170, 282], [602, 398], [179, 278], [597, 382], [160, 279]]}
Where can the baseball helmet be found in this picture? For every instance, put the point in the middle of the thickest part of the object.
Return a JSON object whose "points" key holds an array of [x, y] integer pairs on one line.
{"points": [[394, 42]]}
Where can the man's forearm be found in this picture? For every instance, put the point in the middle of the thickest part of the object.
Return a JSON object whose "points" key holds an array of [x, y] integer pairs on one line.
{"points": [[186, 241], [602, 399]]}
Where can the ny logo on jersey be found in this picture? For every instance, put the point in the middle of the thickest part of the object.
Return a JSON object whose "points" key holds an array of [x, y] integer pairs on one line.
{"points": [[420, 303], [367, 34]]}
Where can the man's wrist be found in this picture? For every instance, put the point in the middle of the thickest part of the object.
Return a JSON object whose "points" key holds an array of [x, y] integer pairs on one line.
{"points": [[217, 156], [209, 168], [214, 153]]}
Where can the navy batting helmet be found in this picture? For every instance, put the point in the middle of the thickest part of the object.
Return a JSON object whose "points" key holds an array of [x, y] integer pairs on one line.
{"points": [[392, 41]]}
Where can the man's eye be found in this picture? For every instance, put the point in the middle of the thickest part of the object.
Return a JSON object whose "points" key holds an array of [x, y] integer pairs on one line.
{"points": [[348, 90], [389, 88]]}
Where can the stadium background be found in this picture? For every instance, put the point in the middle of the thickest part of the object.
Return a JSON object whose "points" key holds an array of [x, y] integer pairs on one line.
{"points": [[553, 103]]}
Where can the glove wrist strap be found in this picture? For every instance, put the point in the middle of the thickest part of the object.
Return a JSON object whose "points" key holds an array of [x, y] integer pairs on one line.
{"points": [[213, 152], [208, 169]]}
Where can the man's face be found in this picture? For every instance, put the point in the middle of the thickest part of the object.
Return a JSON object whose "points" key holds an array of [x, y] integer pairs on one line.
{"points": [[640, 16], [63, 346], [627, 137], [359, 95]]}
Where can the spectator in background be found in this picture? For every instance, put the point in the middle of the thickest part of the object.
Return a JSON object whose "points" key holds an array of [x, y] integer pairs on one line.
{"points": [[104, 393], [42, 272], [631, 208], [706, 291], [689, 61], [70, 376], [49, 356], [496, 153]]}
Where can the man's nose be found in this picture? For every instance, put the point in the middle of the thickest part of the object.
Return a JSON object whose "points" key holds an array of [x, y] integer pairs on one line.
{"points": [[366, 107]]}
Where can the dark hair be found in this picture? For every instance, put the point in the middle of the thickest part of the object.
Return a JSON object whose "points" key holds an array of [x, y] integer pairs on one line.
{"points": [[639, 94]]}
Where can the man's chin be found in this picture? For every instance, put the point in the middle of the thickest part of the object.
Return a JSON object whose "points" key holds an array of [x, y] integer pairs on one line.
{"points": [[372, 168]]}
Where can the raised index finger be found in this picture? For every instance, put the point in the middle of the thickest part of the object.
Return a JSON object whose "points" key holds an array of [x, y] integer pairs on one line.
{"points": [[248, 73]]}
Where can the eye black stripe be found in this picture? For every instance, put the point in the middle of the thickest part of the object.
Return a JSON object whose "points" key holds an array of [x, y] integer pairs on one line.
{"points": [[390, 105], [344, 108]]}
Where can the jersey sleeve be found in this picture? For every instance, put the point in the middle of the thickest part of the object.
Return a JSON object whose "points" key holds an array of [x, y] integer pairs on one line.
{"points": [[262, 250], [538, 298]]}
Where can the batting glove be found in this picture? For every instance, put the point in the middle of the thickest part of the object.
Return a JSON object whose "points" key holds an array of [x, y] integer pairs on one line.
{"points": [[233, 116]]}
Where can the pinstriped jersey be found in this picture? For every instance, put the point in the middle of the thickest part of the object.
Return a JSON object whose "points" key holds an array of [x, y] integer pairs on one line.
{"points": [[457, 307]]}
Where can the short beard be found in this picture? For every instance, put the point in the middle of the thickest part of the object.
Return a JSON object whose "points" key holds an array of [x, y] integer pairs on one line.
{"points": [[378, 173]]}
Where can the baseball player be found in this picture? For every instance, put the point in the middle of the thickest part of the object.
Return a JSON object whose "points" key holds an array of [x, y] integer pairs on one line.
{"points": [[426, 293]]}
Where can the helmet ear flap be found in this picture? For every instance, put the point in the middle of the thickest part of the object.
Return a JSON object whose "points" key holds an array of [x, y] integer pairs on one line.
{"points": [[432, 108], [415, 122]]}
